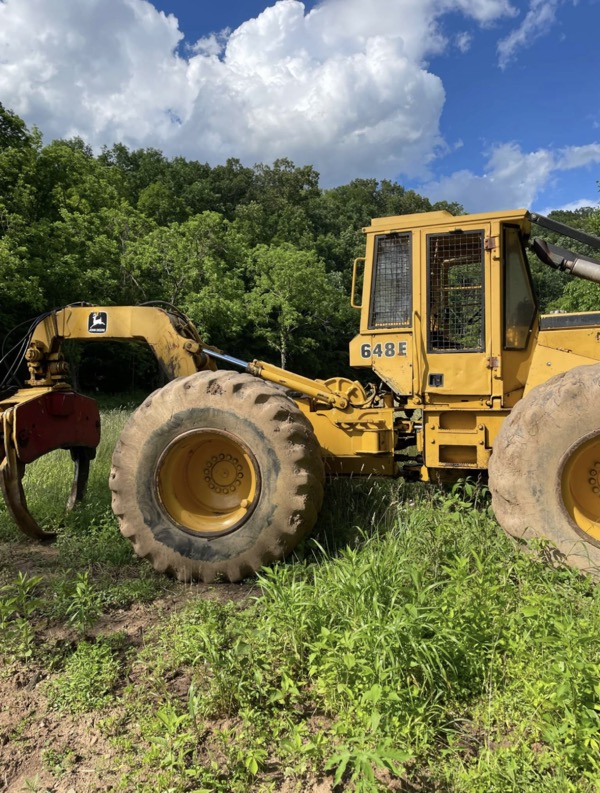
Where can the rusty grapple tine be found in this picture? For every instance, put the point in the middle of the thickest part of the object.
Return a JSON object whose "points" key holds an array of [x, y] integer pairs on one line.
{"points": [[81, 457], [37, 424], [11, 476]]}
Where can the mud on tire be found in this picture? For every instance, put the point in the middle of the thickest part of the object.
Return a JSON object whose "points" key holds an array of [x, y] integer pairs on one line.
{"points": [[216, 475], [542, 472]]}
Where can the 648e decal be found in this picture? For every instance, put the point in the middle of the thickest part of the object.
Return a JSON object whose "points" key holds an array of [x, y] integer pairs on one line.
{"points": [[383, 349]]}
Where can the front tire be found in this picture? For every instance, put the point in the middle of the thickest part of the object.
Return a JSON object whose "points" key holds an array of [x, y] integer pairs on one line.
{"points": [[544, 471], [216, 475]]}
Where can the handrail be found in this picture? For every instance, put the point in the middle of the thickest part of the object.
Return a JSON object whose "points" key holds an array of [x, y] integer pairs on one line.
{"points": [[353, 303]]}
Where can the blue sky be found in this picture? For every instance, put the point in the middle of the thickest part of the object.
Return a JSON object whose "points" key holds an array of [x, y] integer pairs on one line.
{"points": [[493, 103]]}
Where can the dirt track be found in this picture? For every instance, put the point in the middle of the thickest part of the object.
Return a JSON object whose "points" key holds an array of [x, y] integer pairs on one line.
{"points": [[50, 751]]}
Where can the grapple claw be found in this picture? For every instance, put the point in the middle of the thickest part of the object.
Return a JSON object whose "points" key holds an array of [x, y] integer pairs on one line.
{"points": [[81, 457], [11, 477], [34, 424]]}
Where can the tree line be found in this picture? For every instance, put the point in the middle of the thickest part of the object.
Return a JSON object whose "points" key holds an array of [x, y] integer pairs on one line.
{"points": [[259, 257]]}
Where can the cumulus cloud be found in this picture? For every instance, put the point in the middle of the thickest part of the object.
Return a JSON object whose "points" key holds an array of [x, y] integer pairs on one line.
{"points": [[511, 177], [105, 70], [344, 87]]}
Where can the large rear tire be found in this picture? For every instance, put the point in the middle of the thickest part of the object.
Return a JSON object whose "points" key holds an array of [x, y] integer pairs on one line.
{"points": [[216, 475], [544, 472]]}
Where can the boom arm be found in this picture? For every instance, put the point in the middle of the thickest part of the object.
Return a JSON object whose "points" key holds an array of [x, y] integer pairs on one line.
{"points": [[563, 259], [50, 415], [171, 337]]}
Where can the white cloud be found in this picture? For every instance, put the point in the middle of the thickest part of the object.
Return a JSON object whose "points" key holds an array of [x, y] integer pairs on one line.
{"points": [[572, 206], [344, 87], [105, 70], [578, 156], [511, 177], [463, 42], [537, 23]]}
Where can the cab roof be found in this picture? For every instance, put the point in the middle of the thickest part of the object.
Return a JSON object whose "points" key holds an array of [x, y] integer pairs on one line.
{"points": [[442, 218]]}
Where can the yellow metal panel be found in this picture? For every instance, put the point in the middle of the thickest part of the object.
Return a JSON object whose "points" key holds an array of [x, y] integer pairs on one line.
{"points": [[460, 439], [354, 440], [394, 369], [560, 350]]}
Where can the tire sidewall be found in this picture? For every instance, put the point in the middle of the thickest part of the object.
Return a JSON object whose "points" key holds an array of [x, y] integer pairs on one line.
{"points": [[530, 452], [159, 522], [562, 462]]}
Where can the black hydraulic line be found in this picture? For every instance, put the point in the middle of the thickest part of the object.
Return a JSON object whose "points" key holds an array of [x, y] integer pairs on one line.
{"points": [[227, 359], [566, 231]]}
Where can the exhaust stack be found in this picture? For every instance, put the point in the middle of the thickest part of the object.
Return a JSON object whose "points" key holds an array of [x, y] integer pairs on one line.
{"points": [[566, 261], [562, 258]]}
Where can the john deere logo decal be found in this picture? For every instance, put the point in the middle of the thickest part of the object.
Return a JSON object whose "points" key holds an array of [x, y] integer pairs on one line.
{"points": [[97, 322]]}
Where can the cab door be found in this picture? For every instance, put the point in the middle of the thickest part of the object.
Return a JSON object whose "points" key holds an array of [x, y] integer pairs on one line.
{"points": [[386, 339], [456, 333]]}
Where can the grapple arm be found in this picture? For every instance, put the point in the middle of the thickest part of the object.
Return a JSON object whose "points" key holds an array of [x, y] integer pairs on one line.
{"points": [[49, 415], [34, 422], [171, 337]]}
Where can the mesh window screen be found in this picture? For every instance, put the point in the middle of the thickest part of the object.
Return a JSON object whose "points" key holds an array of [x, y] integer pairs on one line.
{"points": [[391, 298], [456, 292]]}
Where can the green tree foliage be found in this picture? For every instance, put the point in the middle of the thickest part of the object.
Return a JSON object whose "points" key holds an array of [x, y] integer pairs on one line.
{"points": [[260, 258], [21, 290], [165, 190], [282, 205], [196, 265], [13, 130], [293, 300], [343, 212], [231, 186]]}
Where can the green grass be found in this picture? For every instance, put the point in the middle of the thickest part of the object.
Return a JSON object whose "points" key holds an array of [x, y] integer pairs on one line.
{"points": [[432, 650], [92, 568], [89, 676], [408, 639]]}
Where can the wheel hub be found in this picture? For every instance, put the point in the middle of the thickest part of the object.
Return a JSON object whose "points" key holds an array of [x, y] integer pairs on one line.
{"points": [[224, 474], [208, 481], [580, 484], [594, 480]]}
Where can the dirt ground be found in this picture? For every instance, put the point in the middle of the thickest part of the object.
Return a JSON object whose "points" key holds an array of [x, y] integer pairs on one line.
{"points": [[49, 751]]}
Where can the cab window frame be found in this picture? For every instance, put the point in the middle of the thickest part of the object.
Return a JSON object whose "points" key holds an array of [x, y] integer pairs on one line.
{"points": [[510, 228]]}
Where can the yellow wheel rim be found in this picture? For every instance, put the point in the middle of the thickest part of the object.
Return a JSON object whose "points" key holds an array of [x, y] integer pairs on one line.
{"points": [[208, 481], [580, 483]]}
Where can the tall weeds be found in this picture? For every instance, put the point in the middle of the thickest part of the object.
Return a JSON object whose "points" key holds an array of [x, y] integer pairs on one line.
{"points": [[432, 650], [408, 639]]}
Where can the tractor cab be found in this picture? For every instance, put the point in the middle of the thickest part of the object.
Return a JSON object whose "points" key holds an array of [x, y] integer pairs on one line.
{"points": [[448, 310]]}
